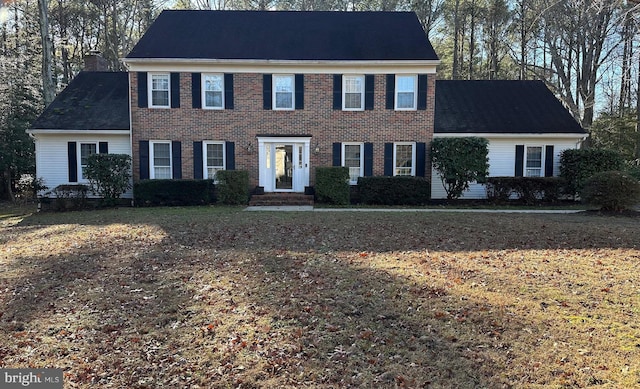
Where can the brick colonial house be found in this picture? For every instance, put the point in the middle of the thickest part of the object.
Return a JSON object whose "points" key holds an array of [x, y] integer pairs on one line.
{"points": [[280, 93]]}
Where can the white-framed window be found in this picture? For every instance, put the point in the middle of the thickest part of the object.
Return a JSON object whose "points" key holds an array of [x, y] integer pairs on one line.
{"points": [[213, 91], [160, 159], [534, 161], [353, 92], [214, 158], [283, 91], [86, 149], [404, 159], [406, 92], [159, 90], [353, 158]]}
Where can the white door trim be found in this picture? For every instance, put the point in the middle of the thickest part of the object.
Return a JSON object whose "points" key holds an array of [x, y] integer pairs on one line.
{"points": [[266, 169]]}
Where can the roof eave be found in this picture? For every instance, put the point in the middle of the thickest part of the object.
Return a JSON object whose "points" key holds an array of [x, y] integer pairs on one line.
{"points": [[571, 135], [36, 131]]}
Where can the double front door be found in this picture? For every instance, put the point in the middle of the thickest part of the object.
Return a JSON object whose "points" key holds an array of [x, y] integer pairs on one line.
{"points": [[284, 164]]}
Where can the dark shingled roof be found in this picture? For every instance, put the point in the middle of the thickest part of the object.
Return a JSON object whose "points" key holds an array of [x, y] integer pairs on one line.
{"points": [[92, 101], [502, 107], [285, 35]]}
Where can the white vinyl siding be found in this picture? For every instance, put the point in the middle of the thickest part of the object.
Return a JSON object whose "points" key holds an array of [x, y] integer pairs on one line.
{"points": [[283, 92], [353, 93], [353, 158], [214, 157], [213, 91], [406, 92], [160, 159], [502, 157], [159, 90], [52, 163]]}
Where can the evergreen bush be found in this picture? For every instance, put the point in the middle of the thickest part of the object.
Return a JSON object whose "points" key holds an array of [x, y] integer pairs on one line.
{"points": [[612, 191], [154, 193], [233, 187], [332, 185], [387, 190]]}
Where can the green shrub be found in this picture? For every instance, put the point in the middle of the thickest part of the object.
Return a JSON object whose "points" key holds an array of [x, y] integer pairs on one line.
{"points": [[153, 193], [72, 196], [611, 191], [529, 190], [109, 175], [460, 161], [577, 165], [233, 187], [394, 190], [332, 185], [634, 171]]}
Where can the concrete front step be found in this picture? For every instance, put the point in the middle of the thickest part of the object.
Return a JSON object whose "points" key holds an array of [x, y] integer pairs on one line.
{"points": [[280, 199]]}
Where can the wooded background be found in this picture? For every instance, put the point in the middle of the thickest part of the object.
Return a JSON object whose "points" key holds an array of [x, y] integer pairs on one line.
{"points": [[586, 51]]}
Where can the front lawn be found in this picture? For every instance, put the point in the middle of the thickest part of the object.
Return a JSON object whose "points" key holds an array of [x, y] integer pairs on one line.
{"points": [[217, 297]]}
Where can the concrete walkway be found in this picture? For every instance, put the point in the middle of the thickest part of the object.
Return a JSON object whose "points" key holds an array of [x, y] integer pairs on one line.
{"points": [[309, 208]]}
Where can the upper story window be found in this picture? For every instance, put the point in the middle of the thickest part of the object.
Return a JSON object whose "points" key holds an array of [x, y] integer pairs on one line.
{"points": [[406, 96], [213, 91], [353, 93], [533, 167], [404, 159], [283, 89], [160, 159], [353, 158], [159, 91], [213, 158], [86, 149]]}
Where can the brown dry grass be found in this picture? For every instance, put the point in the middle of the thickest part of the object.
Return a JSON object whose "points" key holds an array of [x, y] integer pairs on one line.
{"points": [[210, 297]]}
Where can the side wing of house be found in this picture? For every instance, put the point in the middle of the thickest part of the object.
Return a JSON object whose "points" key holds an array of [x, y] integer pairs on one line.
{"points": [[526, 126], [90, 116]]}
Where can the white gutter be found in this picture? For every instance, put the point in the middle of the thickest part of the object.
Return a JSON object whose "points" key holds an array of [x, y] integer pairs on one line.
{"points": [[92, 132], [511, 135]]}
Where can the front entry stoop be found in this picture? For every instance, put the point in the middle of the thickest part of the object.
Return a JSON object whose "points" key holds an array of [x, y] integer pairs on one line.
{"points": [[280, 199]]}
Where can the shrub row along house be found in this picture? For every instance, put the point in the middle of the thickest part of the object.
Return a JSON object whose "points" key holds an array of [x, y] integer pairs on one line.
{"points": [[280, 93]]}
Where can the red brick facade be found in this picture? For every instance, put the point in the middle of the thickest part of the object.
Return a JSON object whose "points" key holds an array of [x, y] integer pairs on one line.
{"points": [[248, 119]]}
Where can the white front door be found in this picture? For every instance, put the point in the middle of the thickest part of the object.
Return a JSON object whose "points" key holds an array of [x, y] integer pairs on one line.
{"points": [[284, 164]]}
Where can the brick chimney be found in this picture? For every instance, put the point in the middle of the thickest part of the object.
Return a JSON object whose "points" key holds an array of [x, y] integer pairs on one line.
{"points": [[93, 62]]}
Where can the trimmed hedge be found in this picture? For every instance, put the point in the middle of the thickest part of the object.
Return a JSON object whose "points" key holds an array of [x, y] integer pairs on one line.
{"points": [[385, 190], [577, 165], [529, 190], [332, 185], [233, 187], [611, 191], [153, 193]]}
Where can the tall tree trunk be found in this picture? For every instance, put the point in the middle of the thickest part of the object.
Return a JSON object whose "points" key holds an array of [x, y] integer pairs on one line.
{"points": [[7, 180], [456, 40], [48, 87]]}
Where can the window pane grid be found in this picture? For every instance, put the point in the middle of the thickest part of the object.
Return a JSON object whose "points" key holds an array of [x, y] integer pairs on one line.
{"points": [[283, 90], [353, 92], [405, 92], [404, 160], [213, 90], [159, 90], [353, 160], [534, 162]]}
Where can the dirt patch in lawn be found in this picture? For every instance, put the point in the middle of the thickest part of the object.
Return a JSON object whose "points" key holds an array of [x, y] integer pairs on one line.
{"points": [[208, 297]]}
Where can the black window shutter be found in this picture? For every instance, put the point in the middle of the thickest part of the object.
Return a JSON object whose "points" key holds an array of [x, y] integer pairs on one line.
{"points": [[391, 91], [176, 159], [175, 90], [266, 91], [388, 159], [337, 154], [144, 159], [197, 161], [103, 147], [369, 86], [421, 154], [422, 92], [548, 161], [519, 171], [196, 93], [368, 159], [337, 91], [299, 81], [228, 91], [72, 153], [230, 155], [142, 90]]}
